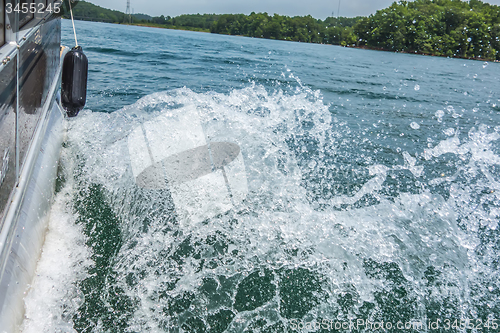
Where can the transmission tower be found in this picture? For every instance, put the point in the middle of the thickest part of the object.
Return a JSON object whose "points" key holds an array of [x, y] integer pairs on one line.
{"points": [[128, 15]]}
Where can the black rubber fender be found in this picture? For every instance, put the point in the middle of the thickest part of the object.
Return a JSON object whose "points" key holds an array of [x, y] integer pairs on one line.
{"points": [[74, 81]]}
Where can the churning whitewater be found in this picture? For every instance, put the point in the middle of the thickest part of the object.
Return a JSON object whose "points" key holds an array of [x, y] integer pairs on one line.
{"points": [[305, 231]]}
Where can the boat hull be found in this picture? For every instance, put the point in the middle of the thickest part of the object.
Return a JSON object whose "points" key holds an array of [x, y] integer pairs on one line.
{"points": [[27, 232], [31, 134]]}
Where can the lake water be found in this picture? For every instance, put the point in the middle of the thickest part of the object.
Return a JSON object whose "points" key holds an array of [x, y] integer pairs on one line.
{"points": [[366, 192]]}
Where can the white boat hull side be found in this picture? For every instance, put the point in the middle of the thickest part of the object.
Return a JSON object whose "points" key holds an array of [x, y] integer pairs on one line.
{"points": [[32, 217]]}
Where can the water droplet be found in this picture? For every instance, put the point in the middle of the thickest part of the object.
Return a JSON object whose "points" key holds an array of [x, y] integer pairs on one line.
{"points": [[385, 88], [417, 87], [485, 64], [439, 113], [449, 131], [414, 125]]}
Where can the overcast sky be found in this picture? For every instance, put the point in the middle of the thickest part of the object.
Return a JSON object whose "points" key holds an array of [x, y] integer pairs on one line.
{"points": [[317, 8]]}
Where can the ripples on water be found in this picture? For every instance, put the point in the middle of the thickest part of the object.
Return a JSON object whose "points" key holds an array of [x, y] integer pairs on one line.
{"points": [[373, 190]]}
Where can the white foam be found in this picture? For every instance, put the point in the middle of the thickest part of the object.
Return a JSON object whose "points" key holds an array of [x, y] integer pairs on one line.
{"points": [[411, 230], [53, 297]]}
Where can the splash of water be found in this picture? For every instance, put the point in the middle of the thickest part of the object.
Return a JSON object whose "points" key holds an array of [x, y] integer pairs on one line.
{"points": [[320, 234]]}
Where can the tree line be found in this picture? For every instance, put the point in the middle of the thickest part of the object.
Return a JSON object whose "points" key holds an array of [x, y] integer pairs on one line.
{"points": [[89, 12], [452, 28], [298, 28]]}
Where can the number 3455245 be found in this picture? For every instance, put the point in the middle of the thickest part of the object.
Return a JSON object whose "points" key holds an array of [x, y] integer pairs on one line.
{"points": [[33, 8]]}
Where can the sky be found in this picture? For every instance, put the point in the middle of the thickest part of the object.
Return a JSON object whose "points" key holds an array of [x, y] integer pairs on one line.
{"points": [[317, 8]]}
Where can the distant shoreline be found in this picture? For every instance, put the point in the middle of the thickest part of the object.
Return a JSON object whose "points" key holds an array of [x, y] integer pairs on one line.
{"points": [[152, 25], [148, 25], [451, 29], [362, 47]]}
